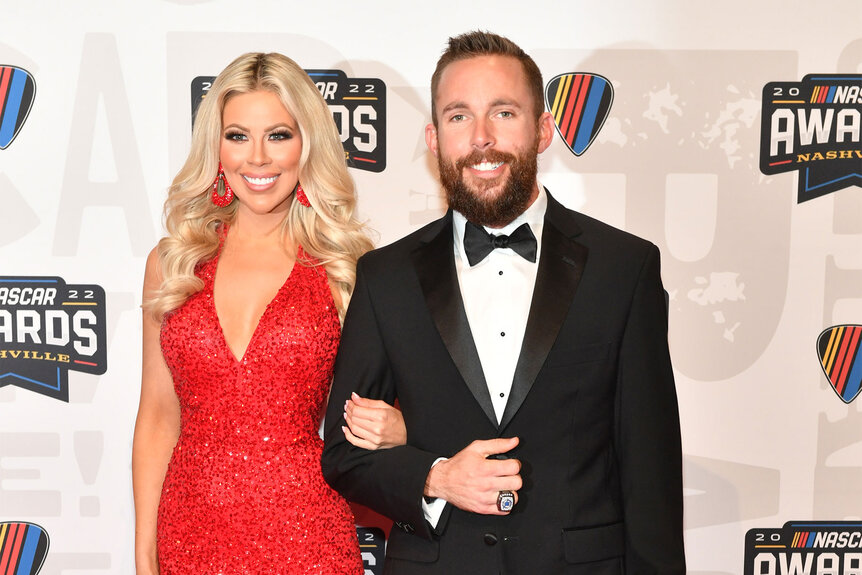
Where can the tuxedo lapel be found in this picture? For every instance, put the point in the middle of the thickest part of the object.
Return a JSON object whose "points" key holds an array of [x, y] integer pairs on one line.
{"points": [[434, 262], [561, 264]]}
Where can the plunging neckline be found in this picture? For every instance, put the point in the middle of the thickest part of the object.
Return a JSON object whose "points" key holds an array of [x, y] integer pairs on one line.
{"points": [[266, 309]]}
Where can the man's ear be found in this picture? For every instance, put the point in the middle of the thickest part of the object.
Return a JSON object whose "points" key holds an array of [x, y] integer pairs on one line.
{"points": [[546, 131], [431, 138]]}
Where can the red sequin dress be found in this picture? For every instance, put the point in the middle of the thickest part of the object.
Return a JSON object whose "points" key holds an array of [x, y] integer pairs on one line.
{"points": [[244, 493]]}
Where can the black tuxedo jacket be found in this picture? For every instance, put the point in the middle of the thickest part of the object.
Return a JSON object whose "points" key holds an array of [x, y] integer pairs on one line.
{"points": [[592, 401]]}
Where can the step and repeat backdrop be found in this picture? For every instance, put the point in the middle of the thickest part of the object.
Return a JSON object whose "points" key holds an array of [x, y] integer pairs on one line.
{"points": [[728, 134]]}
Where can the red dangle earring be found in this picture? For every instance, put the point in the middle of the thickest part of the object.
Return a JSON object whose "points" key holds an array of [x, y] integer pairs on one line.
{"points": [[301, 197], [222, 192]]}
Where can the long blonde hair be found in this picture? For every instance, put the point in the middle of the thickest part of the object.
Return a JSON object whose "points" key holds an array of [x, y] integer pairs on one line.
{"points": [[328, 231]]}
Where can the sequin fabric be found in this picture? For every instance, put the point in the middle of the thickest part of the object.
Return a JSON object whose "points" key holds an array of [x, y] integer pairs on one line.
{"points": [[244, 492]]}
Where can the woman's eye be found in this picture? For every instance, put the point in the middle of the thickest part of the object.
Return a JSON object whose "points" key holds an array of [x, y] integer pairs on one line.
{"points": [[235, 136], [280, 136]]}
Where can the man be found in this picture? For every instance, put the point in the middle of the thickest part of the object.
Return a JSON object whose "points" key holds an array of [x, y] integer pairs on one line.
{"points": [[533, 377]]}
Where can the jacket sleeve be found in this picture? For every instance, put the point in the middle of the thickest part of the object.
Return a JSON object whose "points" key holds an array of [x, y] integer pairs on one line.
{"points": [[390, 481], [647, 432]]}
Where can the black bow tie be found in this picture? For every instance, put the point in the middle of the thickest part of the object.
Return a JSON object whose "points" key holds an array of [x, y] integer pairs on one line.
{"points": [[478, 243]]}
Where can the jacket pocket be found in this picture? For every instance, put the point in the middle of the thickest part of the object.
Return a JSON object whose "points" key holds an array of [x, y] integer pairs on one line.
{"points": [[411, 547], [594, 543]]}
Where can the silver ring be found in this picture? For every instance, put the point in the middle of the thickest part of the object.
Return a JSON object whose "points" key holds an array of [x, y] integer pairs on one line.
{"points": [[505, 501]]}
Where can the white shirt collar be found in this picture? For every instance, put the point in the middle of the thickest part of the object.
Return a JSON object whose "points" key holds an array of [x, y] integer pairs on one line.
{"points": [[533, 215]]}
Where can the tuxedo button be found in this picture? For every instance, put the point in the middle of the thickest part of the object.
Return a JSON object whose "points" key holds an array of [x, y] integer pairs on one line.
{"points": [[490, 539]]}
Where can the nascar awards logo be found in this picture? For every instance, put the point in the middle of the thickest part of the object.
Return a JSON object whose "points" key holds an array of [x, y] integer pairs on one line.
{"points": [[358, 106], [805, 548], [840, 351], [23, 548], [48, 328], [580, 104], [17, 91], [372, 545], [813, 127]]}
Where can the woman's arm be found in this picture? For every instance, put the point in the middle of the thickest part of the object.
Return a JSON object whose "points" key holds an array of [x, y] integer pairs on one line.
{"points": [[373, 423], [156, 431]]}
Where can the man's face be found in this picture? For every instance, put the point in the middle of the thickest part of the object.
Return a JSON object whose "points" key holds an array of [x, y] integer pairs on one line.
{"points": [[487, 138]]}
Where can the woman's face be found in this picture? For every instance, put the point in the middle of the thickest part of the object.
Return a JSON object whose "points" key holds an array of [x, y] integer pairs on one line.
{"points": [[260, 150]]}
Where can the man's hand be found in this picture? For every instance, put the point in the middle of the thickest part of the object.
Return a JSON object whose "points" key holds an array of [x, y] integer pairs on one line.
{"points": [[472, 482]]}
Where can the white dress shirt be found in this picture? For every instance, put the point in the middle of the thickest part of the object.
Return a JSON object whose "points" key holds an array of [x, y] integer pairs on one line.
{"points": [[497, 293]]}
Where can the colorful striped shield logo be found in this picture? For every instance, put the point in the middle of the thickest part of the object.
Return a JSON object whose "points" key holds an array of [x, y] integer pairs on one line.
{"points": [[23, 548], [17, 91], [580, 104], [841, 359]]}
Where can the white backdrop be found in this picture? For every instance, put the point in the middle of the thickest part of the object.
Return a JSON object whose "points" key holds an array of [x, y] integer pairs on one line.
{"points": [[753, 276]]}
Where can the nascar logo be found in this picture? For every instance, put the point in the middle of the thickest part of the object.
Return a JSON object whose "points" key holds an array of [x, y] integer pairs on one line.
{"points": [[580, 104], [372, 544], [812, 127], [358, 107], [23, 548], [838, 348], [805, 548], [17, 91], [48, 328]]}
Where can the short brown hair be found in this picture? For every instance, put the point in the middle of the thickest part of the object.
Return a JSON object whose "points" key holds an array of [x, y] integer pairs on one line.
{"points": [[479, 43]]}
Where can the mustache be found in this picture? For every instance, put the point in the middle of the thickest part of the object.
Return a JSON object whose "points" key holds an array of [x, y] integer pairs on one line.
{"points": [[477, 157]]}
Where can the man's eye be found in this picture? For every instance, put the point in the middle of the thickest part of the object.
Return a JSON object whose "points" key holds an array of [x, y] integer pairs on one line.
{"points": [[506, 114], [457, 118]]}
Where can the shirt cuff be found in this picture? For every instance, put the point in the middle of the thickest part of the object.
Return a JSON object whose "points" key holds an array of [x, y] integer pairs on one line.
{"points": [[433, 507]]}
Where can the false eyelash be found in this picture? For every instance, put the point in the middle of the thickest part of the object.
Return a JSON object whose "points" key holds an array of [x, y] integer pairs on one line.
{"points": [[284, 134]]}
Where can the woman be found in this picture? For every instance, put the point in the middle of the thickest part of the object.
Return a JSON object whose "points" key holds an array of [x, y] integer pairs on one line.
{"points": [[242, 303]]}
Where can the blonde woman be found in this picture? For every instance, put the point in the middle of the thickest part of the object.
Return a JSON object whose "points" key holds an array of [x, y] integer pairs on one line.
{"points": [[242, 307]]}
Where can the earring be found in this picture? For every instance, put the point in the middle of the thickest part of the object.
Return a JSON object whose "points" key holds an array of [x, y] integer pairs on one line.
{"points": [[300, 196], [222, 194]]}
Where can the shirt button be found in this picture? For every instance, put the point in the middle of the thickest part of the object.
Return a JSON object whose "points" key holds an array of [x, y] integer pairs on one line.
{"points": [[500, 272], [502, 334], [502, 394]]}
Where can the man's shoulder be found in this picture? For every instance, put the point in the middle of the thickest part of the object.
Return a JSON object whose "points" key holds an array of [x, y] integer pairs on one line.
{"points": [[589, 230], [401, 249], [600, 229]]}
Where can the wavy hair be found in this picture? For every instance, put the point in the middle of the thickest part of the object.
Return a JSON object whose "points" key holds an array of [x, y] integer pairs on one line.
{"points": [[328, 231]]}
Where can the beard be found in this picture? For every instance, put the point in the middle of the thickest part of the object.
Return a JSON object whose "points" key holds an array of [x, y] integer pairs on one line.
{"points": [[481, 206]]}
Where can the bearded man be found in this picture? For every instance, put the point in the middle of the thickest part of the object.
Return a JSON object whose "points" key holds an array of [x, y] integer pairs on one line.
{"points": [[527, 347]]}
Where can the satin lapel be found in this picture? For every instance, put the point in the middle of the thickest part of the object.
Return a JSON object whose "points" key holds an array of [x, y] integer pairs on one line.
{"points": [[435, 266], [561, 264]]}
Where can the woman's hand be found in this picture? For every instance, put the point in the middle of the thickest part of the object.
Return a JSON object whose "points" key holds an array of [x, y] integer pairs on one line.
{"points": [[373, 424]]}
